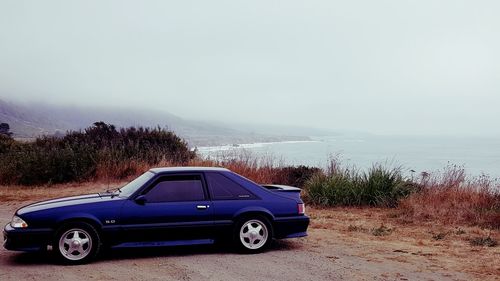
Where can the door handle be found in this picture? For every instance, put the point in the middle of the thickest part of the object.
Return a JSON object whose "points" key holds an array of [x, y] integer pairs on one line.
{"points": [[202, 207]]}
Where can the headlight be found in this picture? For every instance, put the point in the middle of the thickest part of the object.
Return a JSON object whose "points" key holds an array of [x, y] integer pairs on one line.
{"points": [[18, 222]]}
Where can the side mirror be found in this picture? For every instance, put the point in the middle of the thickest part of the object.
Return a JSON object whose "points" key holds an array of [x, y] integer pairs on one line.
{"points": [[141, 200]]}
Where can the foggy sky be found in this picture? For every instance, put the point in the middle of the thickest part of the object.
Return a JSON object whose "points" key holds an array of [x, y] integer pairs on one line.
{"points": [[387, 67]]}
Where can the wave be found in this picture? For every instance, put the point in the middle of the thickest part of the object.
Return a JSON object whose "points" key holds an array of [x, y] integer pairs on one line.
{"points": [[247, 145]]}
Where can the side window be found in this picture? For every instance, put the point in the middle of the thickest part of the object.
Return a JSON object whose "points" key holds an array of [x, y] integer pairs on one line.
{"points": [[223, 188], [177, 188]]}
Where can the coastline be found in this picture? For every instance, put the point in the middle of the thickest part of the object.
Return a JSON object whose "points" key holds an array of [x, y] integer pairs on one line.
{"points": [[217, 148]]}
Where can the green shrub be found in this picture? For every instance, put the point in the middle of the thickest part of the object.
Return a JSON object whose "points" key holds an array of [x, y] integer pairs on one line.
{"points": [[347, 187], [6, 143], [78, 155], [384, 187], [333, 190]]}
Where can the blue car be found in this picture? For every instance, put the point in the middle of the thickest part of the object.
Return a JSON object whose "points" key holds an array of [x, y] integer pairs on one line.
{"points": [[162, 207]]}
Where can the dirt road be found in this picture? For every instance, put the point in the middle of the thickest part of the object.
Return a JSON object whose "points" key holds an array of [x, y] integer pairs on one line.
{"points": [[332, 251]]}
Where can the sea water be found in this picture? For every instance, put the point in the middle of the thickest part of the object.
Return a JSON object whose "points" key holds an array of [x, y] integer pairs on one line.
{"points": [[416, 154]]}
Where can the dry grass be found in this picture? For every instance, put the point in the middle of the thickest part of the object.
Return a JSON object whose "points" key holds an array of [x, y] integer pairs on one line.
{"points": [[452, 206], [258, 169], [261, 169], [453, 199]]}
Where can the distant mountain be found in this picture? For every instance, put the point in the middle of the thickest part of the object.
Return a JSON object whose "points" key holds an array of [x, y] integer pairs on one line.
{"points": [[32, 120], [285, 130]]}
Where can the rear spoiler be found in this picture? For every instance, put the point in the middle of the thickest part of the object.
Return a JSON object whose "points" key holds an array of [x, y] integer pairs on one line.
{"points": [[279, 187]]}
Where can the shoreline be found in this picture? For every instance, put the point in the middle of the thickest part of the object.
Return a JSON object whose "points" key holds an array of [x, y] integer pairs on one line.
{"points": [[227, 147]]}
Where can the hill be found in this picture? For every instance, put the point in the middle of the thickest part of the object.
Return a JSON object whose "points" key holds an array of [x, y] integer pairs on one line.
{"points": [[31, 120]]}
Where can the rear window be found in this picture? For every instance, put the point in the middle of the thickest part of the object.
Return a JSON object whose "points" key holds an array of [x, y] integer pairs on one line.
{"points": [[223, 188]]}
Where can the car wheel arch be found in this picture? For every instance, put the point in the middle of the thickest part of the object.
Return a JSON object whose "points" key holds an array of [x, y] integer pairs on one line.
{"points": [[253, 210], [93, 222], [252, 214]]}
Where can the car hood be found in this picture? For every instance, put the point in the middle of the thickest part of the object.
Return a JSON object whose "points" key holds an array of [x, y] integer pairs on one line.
{"points": [[68, 201]]}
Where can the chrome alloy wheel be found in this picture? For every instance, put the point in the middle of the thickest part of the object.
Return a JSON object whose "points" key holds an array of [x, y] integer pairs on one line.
{"points": [[254, 234], [75, 244]]}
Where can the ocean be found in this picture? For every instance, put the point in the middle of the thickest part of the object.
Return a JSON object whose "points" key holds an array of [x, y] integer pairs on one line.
{"points": [[430, 154]]}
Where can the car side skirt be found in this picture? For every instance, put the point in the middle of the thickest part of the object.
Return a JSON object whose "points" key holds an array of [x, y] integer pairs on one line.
{"points": [[164, 243]]}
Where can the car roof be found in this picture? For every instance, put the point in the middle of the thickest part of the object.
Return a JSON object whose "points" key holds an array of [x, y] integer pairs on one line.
{"points": [[186, 169]]}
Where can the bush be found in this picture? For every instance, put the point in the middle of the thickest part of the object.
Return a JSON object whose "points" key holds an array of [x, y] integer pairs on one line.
{"points": [[100, 150], [384, 187], [332, 190], [6, 143], [295, 175], [380, 186]]}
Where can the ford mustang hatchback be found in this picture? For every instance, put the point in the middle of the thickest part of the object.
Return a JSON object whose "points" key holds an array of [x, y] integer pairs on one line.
{"points": [[162, 207]]}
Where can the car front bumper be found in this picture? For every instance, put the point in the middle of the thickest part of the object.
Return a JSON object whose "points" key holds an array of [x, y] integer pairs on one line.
{"points": [[25, 239]]}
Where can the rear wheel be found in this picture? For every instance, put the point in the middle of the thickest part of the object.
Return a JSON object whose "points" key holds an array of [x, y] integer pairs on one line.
{"points": [[253, 235], [76, 243]]}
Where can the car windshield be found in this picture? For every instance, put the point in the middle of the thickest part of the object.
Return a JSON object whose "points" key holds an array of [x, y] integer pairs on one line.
{"points": [[132, 186]]}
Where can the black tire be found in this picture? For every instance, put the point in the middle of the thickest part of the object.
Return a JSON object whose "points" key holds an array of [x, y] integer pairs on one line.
{"points": [[257, 220], [89, 249]]}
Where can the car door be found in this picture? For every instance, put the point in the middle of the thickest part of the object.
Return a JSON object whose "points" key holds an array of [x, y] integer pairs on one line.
{"points": [[173, 207], [228, 197]]}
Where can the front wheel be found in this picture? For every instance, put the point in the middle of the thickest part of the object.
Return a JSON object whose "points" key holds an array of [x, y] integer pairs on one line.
{"points": [[76, 243], [253, 234]]}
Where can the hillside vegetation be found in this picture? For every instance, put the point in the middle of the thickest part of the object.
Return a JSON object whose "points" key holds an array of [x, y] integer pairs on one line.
{"points": [[104, 153], [100, 151]]}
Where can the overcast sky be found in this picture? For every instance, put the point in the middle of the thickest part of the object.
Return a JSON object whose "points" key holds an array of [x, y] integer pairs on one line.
{"points": [[388, 67]]}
